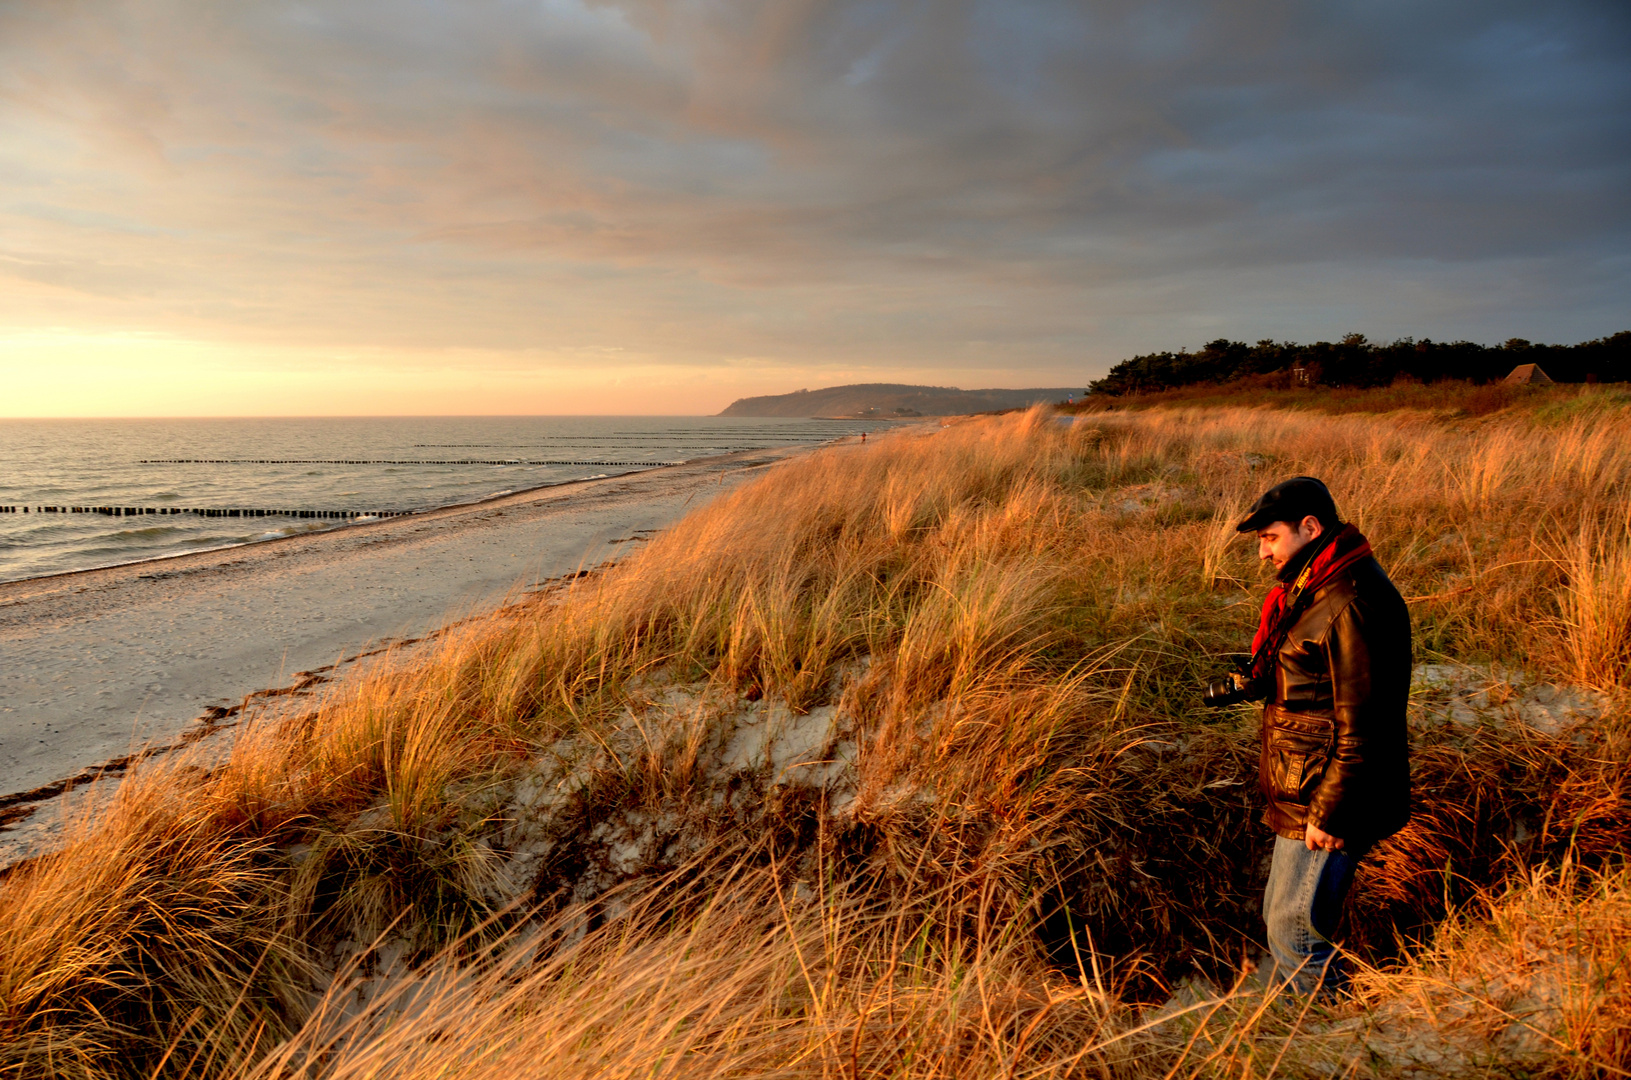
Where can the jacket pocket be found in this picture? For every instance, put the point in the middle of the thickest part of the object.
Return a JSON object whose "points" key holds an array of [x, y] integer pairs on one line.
{"points": [[1296, 774], [1314, 730], [1296, 751]]}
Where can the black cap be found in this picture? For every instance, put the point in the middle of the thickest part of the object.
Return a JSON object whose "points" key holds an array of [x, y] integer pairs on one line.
{"points": [[1291, 501]]}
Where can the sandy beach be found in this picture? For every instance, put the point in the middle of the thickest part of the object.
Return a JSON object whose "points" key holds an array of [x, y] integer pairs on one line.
{"points": [[96, 664]]}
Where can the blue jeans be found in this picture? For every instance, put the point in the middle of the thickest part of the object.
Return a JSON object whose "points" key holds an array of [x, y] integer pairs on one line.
{"points": [[1301, 906]]}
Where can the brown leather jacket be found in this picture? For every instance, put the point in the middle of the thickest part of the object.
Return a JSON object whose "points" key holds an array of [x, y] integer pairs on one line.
{"points": [[1336, 750]]}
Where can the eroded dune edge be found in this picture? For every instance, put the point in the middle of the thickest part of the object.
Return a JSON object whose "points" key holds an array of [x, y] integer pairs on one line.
{"points": [[891, 763]]}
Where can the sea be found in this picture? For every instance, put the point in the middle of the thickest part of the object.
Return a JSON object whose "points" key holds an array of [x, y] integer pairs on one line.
{"points": [[79, 494]]}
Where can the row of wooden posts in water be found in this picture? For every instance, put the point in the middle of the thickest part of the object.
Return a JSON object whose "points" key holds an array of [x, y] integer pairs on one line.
{"points": [[211, 512]]}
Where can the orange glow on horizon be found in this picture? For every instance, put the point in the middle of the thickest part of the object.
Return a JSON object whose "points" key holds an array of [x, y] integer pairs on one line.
{"points": [[75, 375], [65, 374]]}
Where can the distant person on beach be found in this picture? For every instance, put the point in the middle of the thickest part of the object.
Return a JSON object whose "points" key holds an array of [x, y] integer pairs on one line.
{"points": [[1331, 659]]}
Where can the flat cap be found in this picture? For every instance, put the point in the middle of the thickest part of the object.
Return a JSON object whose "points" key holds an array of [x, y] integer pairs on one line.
{"points": [[1291, 501]]}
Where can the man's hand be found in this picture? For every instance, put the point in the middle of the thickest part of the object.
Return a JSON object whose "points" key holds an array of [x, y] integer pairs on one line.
{"points": [[1316, 838]]}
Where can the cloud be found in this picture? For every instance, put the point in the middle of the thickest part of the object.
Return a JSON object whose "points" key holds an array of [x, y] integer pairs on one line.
{"points": [[800, 181]]}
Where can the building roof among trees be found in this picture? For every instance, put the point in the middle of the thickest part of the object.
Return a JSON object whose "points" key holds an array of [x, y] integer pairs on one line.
{"points": [[1529, 373]]}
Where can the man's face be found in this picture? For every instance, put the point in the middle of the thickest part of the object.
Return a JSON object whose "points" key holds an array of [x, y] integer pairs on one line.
{"points": [[1279, 541]]}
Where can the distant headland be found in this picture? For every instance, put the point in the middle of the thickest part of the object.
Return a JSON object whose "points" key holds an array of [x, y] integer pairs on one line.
{"points": [[882, 400]]}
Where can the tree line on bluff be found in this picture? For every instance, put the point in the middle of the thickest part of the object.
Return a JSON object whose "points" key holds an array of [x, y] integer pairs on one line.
{"points": [[1357, 361]]}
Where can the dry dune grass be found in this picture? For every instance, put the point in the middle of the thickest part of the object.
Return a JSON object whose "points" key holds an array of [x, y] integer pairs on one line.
{"points": [[1453, 398], [1011, 616]]}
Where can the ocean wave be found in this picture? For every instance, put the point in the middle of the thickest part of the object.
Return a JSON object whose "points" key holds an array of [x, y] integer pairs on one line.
{"points": [[152, 532], [306, 527], [105, 554]]}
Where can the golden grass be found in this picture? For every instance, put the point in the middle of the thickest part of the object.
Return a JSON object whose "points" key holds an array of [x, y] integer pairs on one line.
{"points": [[746, 985], [1454, 398], [1541, 979], [750, 983], [1012, 615]]}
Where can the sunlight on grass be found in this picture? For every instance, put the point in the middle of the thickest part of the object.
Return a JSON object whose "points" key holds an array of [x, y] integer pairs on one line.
{"points": [[1041, 834]]}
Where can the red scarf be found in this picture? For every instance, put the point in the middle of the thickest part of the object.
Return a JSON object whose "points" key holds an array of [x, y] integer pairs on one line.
{"points": [[1347, 547]]}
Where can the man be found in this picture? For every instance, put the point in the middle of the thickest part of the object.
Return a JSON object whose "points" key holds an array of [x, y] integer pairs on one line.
{"points": [[1332, 659]]}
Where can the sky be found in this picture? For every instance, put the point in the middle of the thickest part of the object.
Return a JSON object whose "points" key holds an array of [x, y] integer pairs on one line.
{"points": [[362, 207]]}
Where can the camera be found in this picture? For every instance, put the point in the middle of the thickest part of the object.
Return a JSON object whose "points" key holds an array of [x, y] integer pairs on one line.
{"points": [[1231, 689]]}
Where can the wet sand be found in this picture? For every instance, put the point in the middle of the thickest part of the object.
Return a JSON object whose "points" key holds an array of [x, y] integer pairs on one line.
{"points": [[96, 664]]}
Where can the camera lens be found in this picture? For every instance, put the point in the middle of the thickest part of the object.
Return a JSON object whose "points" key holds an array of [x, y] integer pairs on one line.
{"points": [[1221, 692]]}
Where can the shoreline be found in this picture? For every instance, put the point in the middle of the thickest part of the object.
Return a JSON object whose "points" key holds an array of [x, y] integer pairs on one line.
{"points": [[338, 526], [100, 664]]}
